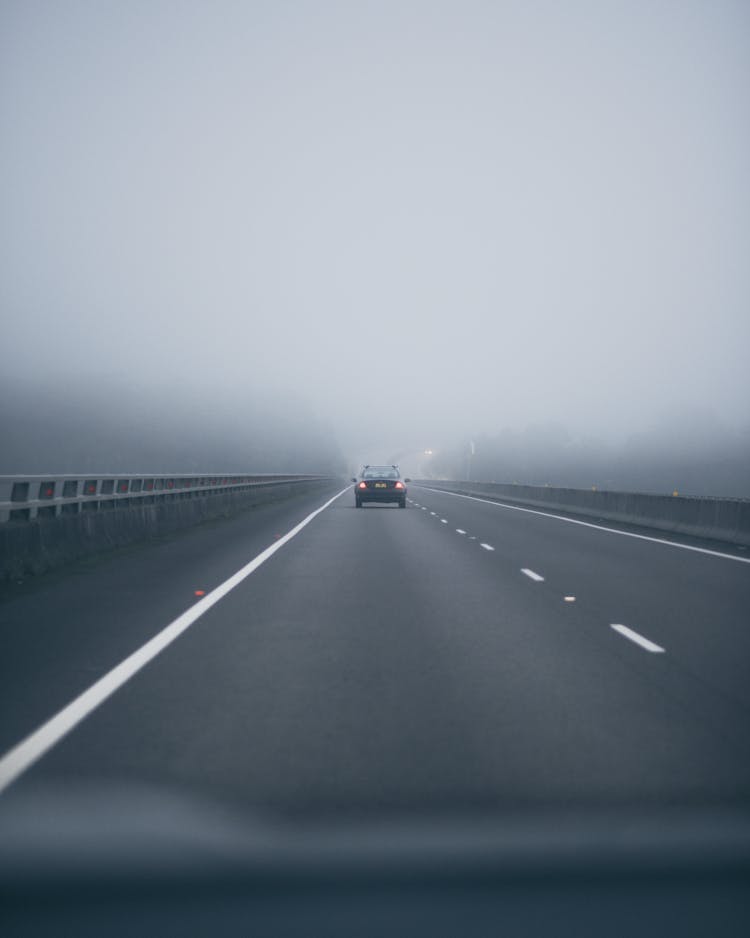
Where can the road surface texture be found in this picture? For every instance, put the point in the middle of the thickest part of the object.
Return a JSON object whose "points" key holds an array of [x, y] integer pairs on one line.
{"points": [[459, 659]]}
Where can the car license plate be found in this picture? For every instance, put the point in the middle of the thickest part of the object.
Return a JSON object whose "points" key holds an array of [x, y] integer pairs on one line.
{"points": [[381, 485]]}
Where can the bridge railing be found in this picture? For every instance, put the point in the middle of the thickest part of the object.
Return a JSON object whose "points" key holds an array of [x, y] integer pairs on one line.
{"points": [[27, 497], [724, 519]]}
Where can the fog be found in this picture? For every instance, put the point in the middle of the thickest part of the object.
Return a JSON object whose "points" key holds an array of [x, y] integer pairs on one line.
{"points": [[282, 236]]}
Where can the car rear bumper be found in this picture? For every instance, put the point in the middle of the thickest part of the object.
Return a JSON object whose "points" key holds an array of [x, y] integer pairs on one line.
{"points": [[380, 495]]}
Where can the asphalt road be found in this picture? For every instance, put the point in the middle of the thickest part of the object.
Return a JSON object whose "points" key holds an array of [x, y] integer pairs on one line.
{"points": [[454, 657]]}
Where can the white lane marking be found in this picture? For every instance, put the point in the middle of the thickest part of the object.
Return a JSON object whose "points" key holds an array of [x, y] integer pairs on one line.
{"points": [[487, 546], [638, 639], [434, 514], [471, 537], [17, 760], [423, 508], [443, 521], [569, 599], [598, 527], [460, 531], [532, 576]]}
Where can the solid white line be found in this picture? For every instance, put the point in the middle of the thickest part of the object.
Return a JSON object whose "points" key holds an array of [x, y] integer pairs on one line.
{"points": [[638, 639], [487, 546], [460, 531], [599, 527], [28, 751], [532, 576]]}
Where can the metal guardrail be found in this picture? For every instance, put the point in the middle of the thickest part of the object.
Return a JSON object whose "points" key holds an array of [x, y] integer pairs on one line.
{"points": [[23, 498]]}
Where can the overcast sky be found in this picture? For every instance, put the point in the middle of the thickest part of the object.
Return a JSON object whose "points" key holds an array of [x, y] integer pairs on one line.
{"points": [[418, 217]]}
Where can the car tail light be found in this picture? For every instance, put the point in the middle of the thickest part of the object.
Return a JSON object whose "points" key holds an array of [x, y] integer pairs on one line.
{"points": [[362, 485], [399, 485]]}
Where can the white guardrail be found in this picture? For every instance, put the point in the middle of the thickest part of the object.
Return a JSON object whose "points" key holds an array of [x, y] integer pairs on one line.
{"points": [[23, 498]]}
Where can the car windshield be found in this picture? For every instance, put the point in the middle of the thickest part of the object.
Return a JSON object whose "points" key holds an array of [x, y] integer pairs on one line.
{"points": [[374, 472], [248, 251]]}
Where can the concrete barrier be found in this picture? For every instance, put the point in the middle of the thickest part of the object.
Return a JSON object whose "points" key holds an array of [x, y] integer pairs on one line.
{"points": [[37, 545], [721, 519]]}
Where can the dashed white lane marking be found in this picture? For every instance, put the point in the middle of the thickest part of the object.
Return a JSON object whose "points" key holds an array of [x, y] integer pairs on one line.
{"points": [[434, 514], [28, 751], [471, 537], [443, 521], [569, 599], [487, 546], [598, 527], [423, 508], [460, 531], [638, 639], [532, 576]]}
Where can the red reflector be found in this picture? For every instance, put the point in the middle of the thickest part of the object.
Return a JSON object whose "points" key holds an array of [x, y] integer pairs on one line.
{"points": [[399, 485], [363, 485]]}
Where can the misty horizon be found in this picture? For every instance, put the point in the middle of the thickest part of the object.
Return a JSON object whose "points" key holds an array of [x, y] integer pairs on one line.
{"points": [[108, 427]]}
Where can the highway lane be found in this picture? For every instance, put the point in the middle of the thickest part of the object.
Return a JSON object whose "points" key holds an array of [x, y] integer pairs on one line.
{"points": [[694, 604], [382, 661], [62, 631]]}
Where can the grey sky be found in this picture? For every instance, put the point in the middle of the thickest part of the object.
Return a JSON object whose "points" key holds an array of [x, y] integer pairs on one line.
{"points": [[473, 215]]}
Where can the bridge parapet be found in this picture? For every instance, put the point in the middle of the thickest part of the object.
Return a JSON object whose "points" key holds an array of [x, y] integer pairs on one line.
{"points": [[49, 520], [27, 497]]}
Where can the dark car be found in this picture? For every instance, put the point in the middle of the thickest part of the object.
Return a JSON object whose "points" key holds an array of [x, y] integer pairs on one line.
{"points": [[380, 484]]}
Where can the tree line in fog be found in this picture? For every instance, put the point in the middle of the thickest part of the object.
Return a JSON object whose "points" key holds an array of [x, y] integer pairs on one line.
{"points": [[693, 454], [113, 428]]}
